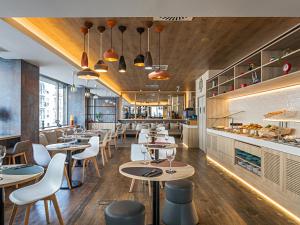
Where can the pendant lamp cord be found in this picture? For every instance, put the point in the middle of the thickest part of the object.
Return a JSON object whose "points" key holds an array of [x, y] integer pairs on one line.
{"points": [[140, 43], [88, 50], [122, 43], [159, 50], [111, 37], [101, 45], [84, 36], [148, 39]]}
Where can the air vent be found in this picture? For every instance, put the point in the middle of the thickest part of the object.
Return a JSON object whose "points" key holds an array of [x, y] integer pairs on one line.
{"points": [[162, 67], [272, 167], [152, 86], [173, 19], [293, 176]]}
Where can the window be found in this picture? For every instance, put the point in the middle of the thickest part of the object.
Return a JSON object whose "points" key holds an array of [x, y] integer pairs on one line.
{"points": [[53, 102]]}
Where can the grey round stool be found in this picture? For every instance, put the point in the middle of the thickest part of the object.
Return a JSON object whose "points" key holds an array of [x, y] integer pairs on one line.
{"points": [[125, 213], [179, 208]]}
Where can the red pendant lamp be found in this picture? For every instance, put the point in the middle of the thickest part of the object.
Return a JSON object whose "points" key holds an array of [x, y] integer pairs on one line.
{"points": [[111, 55], [159, 74]]}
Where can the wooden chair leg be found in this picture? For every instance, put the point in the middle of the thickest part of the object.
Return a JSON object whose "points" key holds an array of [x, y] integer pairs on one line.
{"points": [[46, 211], [83, 169], [13, 215], [116, 146], [109, 151], [57, 210], [102, 156], [13, 159], [27, 214], [149, 187], [161, 185], [9, 160], [131, 185], [74, 163], [67, 177], [25, 158], [94, 159]]}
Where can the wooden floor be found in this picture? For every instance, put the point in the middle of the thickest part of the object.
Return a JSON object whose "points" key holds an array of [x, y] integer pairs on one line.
{"points": [[219, 200]]}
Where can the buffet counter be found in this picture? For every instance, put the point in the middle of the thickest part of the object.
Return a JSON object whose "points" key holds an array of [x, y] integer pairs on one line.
{"points": [[269, 167], [257, 141], [190, 136], [152, 120]]}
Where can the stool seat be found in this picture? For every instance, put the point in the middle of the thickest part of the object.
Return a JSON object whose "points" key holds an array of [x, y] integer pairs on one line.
{"points": [[125, 212], [179, 191]]}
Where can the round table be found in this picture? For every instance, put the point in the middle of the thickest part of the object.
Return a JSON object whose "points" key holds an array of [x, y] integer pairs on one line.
{"points": [[18, 177], [68, 149], [182, 172]]}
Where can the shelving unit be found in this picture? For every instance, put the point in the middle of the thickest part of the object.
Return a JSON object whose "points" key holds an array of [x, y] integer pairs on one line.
{"points": [[266, 72]]}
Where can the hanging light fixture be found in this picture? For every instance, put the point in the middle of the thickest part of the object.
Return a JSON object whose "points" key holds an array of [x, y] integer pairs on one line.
{"points": [[122, 63], [139, 60], [87, 73], [87, 93], [100, 66], [84, 56], [111, 55], [73, 87], [148, 57], [159, 74]]}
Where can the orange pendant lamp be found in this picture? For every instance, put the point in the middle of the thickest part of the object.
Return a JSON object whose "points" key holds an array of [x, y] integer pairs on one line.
{"points": [[159, 74], [84, 56], [111, 55], [86, 73]]}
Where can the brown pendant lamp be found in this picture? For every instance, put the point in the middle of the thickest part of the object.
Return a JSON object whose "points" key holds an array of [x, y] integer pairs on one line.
{"points": [[111, 55], [148, 57], [139, 60], [84, 56], [100, 66], [159, 74], [87, 73]]}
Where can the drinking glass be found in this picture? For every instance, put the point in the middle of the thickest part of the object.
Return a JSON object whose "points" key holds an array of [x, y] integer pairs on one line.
{"points": [[144, 150], [2, 155], [170, 155]]}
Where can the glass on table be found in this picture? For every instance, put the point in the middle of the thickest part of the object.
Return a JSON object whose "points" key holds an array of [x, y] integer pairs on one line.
{"points": [[170, 155], [2, 155]]}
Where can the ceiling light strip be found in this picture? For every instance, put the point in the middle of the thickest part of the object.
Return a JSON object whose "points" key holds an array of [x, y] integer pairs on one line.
{"points": [[246, 184]]}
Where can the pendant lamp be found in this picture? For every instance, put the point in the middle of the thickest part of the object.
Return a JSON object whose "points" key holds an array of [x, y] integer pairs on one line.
{"points": [[111, 55], [84, 56], [139, 60], [73, 87], [87, 73], [100, 66], [148, 57], [159, 74], [122, 63]]}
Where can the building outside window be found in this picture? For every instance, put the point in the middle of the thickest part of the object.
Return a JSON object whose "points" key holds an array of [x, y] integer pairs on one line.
{"points": [[53, 102]]}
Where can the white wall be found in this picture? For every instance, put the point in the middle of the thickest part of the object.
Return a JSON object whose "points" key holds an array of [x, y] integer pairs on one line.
{"points": [[256, 106]]}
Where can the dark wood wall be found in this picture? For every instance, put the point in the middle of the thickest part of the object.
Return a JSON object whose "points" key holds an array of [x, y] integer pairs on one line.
{"points": [[29, 102]]}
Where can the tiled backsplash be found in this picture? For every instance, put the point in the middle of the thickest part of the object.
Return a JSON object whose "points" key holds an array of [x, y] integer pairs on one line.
{"points": [[256, 106]]}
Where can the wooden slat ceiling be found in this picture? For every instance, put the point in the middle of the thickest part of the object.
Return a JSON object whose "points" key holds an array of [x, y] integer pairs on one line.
{"points": [[188, 48]]}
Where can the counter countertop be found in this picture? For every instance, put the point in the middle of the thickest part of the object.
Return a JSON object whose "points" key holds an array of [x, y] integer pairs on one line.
{"points": [[258, 142], [190, 126], [152, 119], [5, 137]]}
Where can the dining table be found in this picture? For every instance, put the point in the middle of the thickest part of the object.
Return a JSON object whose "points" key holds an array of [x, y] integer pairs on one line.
{"points": [[140, 170], [11, 175], [68, 148]]}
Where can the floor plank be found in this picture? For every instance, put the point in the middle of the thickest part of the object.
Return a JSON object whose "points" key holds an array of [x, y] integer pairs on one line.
{"points": [[218, 198]]}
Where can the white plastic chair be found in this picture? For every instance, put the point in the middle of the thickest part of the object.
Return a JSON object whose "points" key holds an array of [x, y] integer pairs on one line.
{"points": [[89, 154], [44, 190], [42, 158], [136, 155]]}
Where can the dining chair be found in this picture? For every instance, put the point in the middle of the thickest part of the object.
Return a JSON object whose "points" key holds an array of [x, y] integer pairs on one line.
{"points": [[89, 154], [43, 139], [19, 150], [42, 158], [114, 139], [136, 155], [44, 190]]}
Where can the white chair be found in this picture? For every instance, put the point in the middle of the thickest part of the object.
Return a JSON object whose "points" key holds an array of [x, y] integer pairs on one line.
{"points": [[136, 155], [42, 157], [143, 138], [165, 132], [144, 131], [89, 154], [44, 190]]}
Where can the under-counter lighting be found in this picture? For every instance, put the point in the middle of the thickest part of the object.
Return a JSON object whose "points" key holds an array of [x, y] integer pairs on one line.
{"points": [[266, 92], [185, 145], [265, 197]]}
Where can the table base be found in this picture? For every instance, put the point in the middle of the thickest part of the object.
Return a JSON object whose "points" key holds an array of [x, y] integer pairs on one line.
{"points": [[74, 184]]}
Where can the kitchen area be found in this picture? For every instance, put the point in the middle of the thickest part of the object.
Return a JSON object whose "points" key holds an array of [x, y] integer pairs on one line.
{"points": [[252, 121]]}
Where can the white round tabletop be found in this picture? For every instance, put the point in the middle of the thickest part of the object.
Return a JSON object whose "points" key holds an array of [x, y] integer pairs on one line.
{"points": [[7, 180], [182, 172], [60, 147]]}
